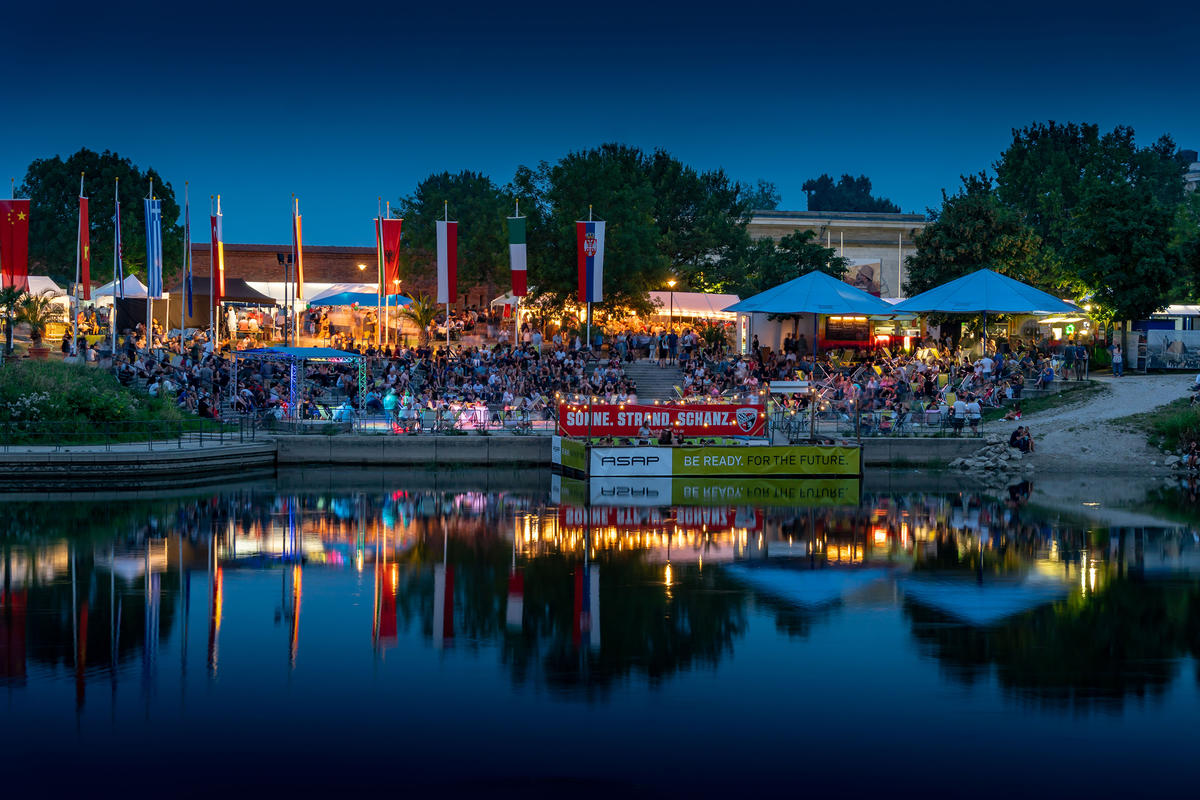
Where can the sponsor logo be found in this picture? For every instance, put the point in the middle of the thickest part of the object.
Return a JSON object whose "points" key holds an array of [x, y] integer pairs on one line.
{"points": [[746, 417], [628, 461], [627, 491]]}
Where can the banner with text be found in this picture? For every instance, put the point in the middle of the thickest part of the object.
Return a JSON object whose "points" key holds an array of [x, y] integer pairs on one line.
{"points": [[693, 420], [736, 492], [717, 461]]}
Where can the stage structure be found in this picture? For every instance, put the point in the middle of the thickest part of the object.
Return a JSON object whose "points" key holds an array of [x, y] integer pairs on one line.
{"points": [[297, 357]]}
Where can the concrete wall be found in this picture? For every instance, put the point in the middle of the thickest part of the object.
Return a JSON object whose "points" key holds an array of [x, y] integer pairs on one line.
{"points": [[926, 450], [425, 451]]}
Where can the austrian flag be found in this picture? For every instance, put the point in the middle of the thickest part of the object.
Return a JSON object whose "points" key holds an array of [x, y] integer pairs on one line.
{"points": [[590, 240]]}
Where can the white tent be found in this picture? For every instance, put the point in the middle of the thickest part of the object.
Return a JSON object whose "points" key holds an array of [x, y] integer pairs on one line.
{"points": [[695, 304], [339, 288], [132, 286], [41, 283]]}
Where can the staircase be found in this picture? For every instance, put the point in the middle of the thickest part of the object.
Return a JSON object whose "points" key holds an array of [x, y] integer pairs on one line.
{"points": [[654, 383]]}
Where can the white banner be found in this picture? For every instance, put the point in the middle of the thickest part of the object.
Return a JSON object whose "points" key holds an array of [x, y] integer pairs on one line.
{"points": [[631, 461]]}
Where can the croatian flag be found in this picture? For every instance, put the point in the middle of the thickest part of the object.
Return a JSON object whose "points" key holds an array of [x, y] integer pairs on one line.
{"points": [[154, 248], [590, 236], [447, 261]]}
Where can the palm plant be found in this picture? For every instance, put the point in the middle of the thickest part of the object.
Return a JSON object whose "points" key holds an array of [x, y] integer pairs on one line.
{"points": [[422, 311], [37, 310], [10, 304]]}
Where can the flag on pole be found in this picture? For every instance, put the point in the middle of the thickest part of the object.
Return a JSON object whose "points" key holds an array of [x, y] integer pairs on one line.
{"points": [[187, 250], [391, 253], [118, 258], [217, 257], [154, 247], [447, 261], [14, 243], [298, 247], [85, 249], [590, 239], [516, 254]]}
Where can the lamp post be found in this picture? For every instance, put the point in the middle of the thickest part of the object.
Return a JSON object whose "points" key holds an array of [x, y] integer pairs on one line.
{"points": [[395, 291], [671, 314]]}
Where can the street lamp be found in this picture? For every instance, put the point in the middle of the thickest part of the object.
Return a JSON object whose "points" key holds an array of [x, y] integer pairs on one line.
{"points": [[671, 315], [361, 267]]}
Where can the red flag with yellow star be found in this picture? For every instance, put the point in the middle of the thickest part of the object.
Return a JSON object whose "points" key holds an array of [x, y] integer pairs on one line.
{"points": [[14, 243], [85, 255]]}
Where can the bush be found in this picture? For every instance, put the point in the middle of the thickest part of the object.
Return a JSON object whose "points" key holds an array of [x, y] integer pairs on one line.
{"points": [[1176, 425]]}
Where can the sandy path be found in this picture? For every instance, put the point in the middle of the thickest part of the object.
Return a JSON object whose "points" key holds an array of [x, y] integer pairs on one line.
{"points": [[1080, 436]]}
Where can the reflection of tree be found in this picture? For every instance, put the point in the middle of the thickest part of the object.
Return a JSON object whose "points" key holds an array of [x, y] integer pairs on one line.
{"points": [[642, 628], [1082, 653]]}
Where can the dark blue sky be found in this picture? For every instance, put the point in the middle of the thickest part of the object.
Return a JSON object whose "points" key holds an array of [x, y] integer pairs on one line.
{"points": [[342, 102]]}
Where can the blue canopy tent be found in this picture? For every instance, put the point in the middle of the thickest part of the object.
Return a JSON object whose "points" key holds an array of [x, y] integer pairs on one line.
{"points": [[301, 355], [814, 293], [360, 298], [985, 292]]}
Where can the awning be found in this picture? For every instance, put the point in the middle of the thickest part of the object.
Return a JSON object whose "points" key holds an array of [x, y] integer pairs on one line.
{"points": [[132, 286], [236, 291], [694, 304], [360, 299]]}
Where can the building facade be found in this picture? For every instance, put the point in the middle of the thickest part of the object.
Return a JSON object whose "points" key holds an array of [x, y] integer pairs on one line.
{"points": [[876, 244]]}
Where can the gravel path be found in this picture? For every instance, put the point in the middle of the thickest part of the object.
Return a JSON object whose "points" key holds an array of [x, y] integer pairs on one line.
{"points": [[1081, 437]]}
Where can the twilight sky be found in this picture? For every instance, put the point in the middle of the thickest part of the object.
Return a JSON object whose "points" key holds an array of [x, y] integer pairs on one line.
{"points": [[343, 102]]}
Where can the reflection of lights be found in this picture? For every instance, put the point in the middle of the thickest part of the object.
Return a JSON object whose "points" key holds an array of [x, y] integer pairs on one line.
{"points": [[880, 535], [667, 576], [395, 578], [358, 560], [1092, 504]]}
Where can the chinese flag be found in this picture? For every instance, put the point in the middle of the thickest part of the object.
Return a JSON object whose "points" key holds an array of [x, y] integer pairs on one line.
{"points": [[14, 243], [85, 254]]}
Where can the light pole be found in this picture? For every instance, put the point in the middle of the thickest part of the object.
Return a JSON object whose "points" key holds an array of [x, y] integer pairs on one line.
{"points": [[395, 292]]}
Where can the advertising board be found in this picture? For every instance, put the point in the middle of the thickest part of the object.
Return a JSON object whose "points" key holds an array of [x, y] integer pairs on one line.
{"points": [[682, 492], [712, 419], [717, 461]]}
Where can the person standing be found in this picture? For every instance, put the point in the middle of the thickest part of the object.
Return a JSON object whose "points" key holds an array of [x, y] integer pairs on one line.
{"points": [[1118, 361]]}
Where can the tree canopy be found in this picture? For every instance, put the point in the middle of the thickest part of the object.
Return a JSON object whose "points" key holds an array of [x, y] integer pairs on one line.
{"points": [[847, 194], [52, 186]]}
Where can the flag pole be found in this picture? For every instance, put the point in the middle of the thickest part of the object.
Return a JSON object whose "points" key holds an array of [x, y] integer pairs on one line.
{"points": [[149, 283], [379, 270], [287, 273], [517, 297], [212, 268], [117, 282], [446, 218], [75, 292], [589, 317]]}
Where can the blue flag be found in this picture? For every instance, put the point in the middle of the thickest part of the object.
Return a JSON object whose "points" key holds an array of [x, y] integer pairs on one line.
{"points": [[154, 248], [118, 264]]}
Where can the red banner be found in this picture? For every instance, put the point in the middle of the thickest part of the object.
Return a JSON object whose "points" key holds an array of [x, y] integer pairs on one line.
{"points": [[698, 518], [85, 250], [14, 242], [391, 255], [687, 420]]}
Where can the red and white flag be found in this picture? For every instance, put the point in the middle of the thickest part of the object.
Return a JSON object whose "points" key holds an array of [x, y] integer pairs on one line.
{"points": [[447, 261], [85, 250]]}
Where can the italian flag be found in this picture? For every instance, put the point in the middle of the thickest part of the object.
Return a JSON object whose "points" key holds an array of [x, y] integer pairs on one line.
{"points": [[516, 254]]}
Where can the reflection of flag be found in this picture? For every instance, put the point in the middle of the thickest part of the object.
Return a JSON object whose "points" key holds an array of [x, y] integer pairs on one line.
{"points": [[391, 253], [216, 257], [298, 249], [14, 242], [447, 261], [516, 254], [590, 240], [85, 250], [154, 247]]}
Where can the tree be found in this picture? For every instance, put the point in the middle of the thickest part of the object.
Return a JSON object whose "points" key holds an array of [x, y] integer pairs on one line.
{"points": [[767, 262], [52, 186], [421, 312], [848, 194], [763, 196], [1120, 244], [974, 230], [555, 196], [482, 235]]}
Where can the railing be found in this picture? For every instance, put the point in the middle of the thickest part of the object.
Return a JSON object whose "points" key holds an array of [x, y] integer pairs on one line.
{"points": [[151, 435], [445, 422]]}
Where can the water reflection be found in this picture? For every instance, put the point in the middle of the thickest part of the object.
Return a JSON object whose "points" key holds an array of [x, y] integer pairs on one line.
{"points": [[577, 600]]}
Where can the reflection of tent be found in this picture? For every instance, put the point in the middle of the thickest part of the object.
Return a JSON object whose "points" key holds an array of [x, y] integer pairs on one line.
{"points": [[983, 604], [813, 293], [694, 304], [986, 292], [806, 587], [133, 288]]}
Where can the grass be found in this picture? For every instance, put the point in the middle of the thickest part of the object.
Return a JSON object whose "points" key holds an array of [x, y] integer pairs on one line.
{"points": [[50, 402], [1058, 400], [1167, 427]]}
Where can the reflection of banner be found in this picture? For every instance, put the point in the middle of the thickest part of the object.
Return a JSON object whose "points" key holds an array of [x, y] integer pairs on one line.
{"points": [[633, 491], [624, 518], [716, 461], [693, 420], [568, 453]]}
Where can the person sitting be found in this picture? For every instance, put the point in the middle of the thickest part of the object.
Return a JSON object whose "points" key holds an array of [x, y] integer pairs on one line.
{"points": [[664, 436], [1045, 378], [1014, 413], [644, 433]]}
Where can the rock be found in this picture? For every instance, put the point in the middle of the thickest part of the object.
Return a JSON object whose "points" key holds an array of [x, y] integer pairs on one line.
{"points": [[1016, 455], [1172, 460]]}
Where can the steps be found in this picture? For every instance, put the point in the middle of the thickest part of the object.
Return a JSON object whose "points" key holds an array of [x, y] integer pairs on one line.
{"points": [[654, 383]]}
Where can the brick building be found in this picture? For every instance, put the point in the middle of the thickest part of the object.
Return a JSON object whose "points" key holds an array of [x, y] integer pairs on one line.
{"points": [[259, 263]]}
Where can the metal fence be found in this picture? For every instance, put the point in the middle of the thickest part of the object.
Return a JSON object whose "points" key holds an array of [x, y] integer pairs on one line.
{"points": [[151, 435]]}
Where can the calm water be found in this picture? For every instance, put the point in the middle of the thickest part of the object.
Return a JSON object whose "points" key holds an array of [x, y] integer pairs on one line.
{"points": [[486, 633]]}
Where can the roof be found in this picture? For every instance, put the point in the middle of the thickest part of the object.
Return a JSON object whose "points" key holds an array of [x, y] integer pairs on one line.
{"points": [[310, 353], [986, 292], [694, 304], [287, 248], [368, 299], [236, 291], [840, 216], [813, 293]]}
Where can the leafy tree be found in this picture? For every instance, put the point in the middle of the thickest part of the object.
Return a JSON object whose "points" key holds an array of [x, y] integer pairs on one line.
{"points": [[848, 194], [973, 230], [763, 196], [555, 196], [768, 262], [1120, 242], [52, 185]]}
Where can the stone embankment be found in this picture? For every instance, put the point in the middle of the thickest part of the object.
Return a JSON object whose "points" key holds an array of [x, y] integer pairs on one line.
{"points": [[995, 457]]}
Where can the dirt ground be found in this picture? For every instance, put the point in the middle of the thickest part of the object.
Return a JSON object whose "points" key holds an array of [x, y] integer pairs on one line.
{"points": [[1080, 437]]}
